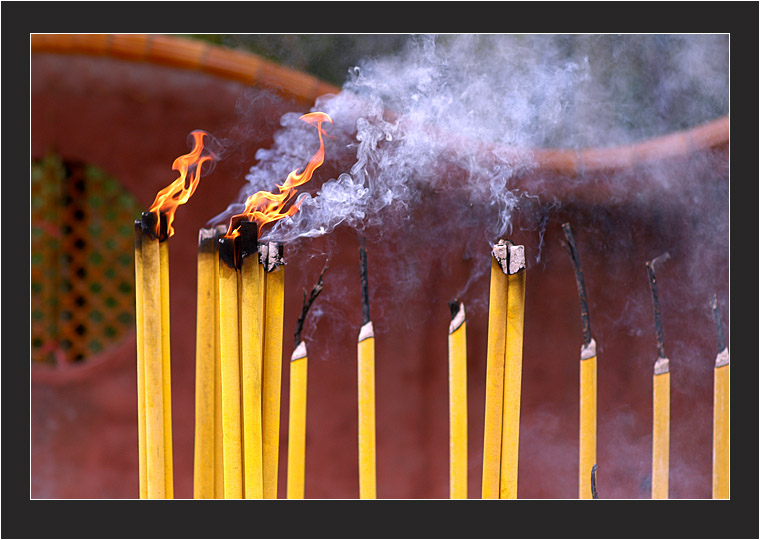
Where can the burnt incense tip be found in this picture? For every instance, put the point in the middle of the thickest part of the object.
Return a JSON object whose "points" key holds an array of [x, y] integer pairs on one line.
{"points": [[656, 301], [307, 302], [454, 307], [206, 240], [580, 283], [149, 225], [594, 494], [248, 239], [271, 255], [718, 324], [227, 251], [364, 280]]}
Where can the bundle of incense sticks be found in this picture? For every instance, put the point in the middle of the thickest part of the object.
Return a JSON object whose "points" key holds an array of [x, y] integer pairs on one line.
{"points": [[154, 412], [238, 364], [660, 396], [588, 391], [506, 310]]}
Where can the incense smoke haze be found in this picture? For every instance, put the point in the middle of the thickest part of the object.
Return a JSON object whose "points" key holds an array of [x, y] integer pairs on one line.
{"points": [[400, 121]]}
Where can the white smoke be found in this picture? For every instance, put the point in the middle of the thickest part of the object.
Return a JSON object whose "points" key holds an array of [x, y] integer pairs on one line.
{"points": [[475, 104]]}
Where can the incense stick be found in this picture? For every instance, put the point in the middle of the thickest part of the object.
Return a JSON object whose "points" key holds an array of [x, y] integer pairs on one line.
{"points": [[366, 391], [141, 441], [203, 457], [251, 351], [457, 401], [218, 416], [588, 376], [721, 418], [230, 371], [274, 291], [299, 363], [660, 397], [163, 252], [153, 360], [494, 400], [510, 437]]}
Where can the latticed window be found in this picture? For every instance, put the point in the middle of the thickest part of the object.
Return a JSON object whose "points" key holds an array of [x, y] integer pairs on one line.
{"points": [[82, 264]]}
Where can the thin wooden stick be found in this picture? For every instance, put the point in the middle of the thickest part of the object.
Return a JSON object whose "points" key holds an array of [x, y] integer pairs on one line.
{"points": [[163, 249]]}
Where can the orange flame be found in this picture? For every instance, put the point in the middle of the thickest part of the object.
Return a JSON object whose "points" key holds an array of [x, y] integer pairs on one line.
{"points": [[179, 192], [264, 207]]}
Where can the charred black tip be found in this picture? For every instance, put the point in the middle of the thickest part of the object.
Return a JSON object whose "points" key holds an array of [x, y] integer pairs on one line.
{"points": [[718, 323], [247, 241], [454, 307], [307, 304], [656, 302], [594, 494], [227, 251], [364, 281], [148, 223], [579, 281]]}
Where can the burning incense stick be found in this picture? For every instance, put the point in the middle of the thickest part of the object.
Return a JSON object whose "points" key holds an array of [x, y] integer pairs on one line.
{"points": [[457, 401], [230, 370], [274, 291], [203, 459], [141, 441], [155, 439], [366, 391], [588, 389], [497, 333], [661, 397], [156, 225], [721, 423], [166, 365], [510, 441], [299, 363], [218, 417], [251, 357]]}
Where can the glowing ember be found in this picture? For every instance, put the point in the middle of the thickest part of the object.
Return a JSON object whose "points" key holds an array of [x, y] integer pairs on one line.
{"points": [[179, 192], [264, 207]]}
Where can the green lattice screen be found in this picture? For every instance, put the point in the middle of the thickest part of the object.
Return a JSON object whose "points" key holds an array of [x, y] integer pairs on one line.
{"points": [[82, 260]]}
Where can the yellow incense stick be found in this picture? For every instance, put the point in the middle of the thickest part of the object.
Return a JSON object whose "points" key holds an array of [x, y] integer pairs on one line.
{"points": [[661, 429], [251, 319], [203, 458], [458, 403], [721, 427], [272, 377], [587, 436], [510, 442], [299, 363], [152, 357], [163, 249], [497, 330], [366, 380], [230, 371], [143, 479], [218, 422]]}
